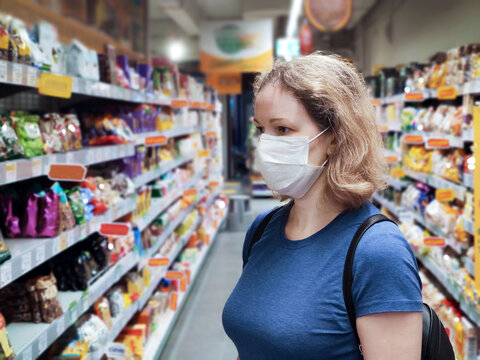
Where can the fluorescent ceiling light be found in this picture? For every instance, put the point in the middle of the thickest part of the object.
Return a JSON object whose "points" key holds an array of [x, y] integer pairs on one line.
{"points": [[176, 50], [292, 25]]}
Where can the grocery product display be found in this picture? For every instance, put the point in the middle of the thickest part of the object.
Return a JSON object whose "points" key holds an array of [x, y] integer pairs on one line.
{"points": [[426, 114], [101, 200]]}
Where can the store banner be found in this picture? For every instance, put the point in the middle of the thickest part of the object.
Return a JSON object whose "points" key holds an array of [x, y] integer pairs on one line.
{"points": [[236, 46], [225, 83]]}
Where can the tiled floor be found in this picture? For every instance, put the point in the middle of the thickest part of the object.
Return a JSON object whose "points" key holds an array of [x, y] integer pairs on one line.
{"points": [[198, 334]]}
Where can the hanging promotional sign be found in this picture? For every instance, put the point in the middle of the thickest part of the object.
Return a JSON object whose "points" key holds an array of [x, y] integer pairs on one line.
{"points": [[328, 15], [225, 83], [236, 46]]}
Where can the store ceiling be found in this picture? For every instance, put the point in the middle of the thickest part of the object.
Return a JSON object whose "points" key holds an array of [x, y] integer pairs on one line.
{"points": [[183, 18]]}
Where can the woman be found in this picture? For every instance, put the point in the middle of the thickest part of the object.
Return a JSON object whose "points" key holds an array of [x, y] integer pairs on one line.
{"points": [[320, 147]]}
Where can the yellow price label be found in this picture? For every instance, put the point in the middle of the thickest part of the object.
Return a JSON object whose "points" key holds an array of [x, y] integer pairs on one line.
{"points": [[397, 173], [55, 85], [445, 194], [447, 92], [204, 153]]}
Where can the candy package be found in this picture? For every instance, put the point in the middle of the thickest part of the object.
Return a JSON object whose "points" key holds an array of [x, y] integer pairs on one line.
{"points": [[73, 132], [92, 329], [18, 32], [76, 203], [46, 289], [53, 130], [116, 300], [102, 310], [48, 218], [75, 350], [10, 222], [14, 149], [67, 219], [28, 131]]}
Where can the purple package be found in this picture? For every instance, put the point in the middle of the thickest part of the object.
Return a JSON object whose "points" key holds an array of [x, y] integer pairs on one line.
{"points": [[127, 166], [48, 222], [30, 216], [145, 72], [122, 62], [130, 120], [10, 223], [138, 115]]}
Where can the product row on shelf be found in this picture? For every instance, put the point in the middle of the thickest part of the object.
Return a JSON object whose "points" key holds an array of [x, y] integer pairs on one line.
{"points": [[29, 55]]}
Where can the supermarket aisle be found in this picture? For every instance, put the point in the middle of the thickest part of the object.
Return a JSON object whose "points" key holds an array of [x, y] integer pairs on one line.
{"points": [[198, 333]]}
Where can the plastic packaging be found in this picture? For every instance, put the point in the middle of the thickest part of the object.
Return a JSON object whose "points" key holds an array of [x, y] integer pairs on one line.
{"points": [[28, 131]]}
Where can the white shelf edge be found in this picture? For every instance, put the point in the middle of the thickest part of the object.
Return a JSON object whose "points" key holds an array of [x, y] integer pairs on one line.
{"points": [[171, 133], [151, 175]]}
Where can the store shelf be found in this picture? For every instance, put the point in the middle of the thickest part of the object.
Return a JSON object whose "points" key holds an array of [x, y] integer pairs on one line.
{"points": [[398, 184], [437, 182], [22, 169], [29, 339], [151, 175], [394, 210], [468, 226], [468, 180], [30, 253], [140, 139], [157, 340], [469, 265], [160, 205]]}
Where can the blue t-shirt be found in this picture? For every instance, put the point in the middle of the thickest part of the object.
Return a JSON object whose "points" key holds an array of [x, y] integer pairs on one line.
{"points": [[288, 303]]}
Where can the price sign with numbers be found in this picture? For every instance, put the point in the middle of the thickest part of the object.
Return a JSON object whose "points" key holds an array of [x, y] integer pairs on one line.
{"points": [[32, 75], [17, 73], [36, 167], [85, 301], [73, 311], [11, 172], [55, 85]]}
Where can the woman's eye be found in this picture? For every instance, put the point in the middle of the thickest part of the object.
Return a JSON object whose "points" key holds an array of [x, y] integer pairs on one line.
{"points": [[260, 130], [283, 130]]}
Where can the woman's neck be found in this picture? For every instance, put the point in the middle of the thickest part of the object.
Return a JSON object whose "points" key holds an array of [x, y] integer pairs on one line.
{"points": [[310, 214]]}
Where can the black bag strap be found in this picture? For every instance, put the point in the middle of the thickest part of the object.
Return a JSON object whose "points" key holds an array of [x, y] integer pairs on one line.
{"points": [[348, 268], [259, 232]]}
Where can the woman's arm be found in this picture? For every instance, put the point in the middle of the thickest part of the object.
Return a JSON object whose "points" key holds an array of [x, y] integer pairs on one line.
{"points": [[392, 336]]}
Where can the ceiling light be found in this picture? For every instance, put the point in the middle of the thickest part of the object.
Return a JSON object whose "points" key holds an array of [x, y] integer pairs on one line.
{"points": [[176, 50], [292, 25]]}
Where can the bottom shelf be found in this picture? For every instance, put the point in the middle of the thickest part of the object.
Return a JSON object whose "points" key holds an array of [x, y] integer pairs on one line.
{"points": [[158, 339]]}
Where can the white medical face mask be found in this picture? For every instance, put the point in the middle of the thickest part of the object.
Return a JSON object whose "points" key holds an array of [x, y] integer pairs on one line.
{"points": [[283, 162]]}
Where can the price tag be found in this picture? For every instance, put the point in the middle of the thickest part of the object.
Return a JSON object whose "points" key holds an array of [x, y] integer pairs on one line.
{"points": [[6, 274], [211, 133], [190, 192], [85, 301], [376, 101], [171, 275], [3, 73], [66, 172], [116, 229], [42, 342], [438, 143], [447, 93], [413, 139], [73, 310], [83, 231], [55, 85], [392, 159], [26, 262], [397, 173], [207, 239], [36, 167], [60, 326], [179, 103], [383, 128], [27, 353], [213, 183], [40, 254], [70, 238], [413, 97], [70, 157], [17, 73], [63, 241], [55, 246], [32, 76], [445, 195], [203, 153], [11, 172], [158, 262], [434, 241], [173, 301]]}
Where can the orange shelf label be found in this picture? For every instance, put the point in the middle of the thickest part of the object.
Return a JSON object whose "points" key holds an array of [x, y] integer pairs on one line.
{"points": [[158, 262], [445, 194], [65, 172], [391, 159], [376, 101], [211, 133], [196, 105], [434, 241], [183, 285], [203, 153], [156, 140], [413, 97], [204, 105], [172, 275], [438, 143], [190, 192], [114, 229], [447, 93], [173, 301], [211, 107], [397, 173], [213, 183], [179, 103], [188, 276], [55, 85], [413, 139], [382, 128]]}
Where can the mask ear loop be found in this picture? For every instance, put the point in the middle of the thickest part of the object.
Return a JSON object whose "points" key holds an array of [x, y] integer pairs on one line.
{"points": [[318, 134]]}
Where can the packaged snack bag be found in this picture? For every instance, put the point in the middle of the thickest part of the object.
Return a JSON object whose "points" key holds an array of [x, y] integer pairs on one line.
{"points": [[28, 131], [13, 147], [6, 352], [102, 309], [67, 219], [48, 221]]}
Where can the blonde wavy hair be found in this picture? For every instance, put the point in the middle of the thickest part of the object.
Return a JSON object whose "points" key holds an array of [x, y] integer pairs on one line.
{"points": [[334, 94]]}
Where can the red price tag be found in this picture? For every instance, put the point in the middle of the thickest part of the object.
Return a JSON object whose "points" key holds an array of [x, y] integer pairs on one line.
{"points": [[434, 241], [413, 139], [156, 140], [65, 172], [413, 97], [438, 143], [158, 262], [114, 229], [172, 275]]}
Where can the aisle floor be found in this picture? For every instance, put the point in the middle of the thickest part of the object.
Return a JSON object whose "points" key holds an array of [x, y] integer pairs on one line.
{"points": [[198, 333]]}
